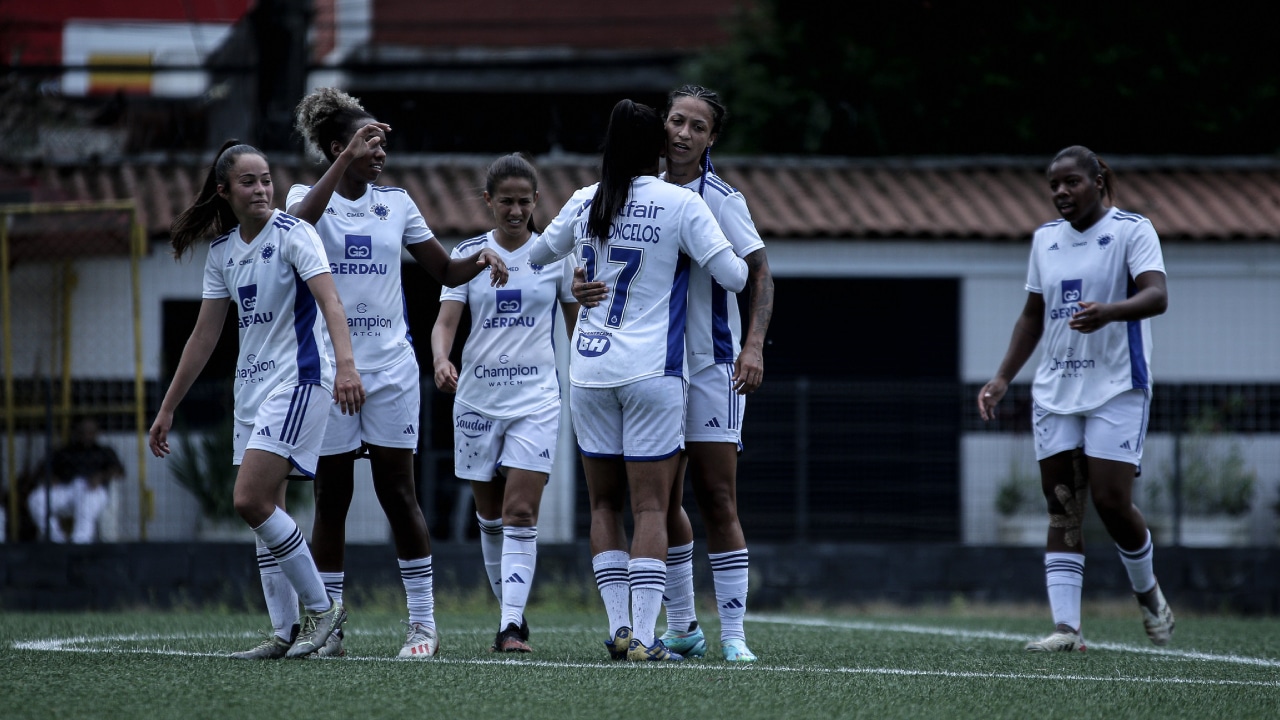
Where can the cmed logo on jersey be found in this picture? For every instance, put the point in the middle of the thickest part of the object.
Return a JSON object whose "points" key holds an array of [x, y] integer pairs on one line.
{"points": [[508, 301], [248, 297], [1072, 291], [359, 247]]}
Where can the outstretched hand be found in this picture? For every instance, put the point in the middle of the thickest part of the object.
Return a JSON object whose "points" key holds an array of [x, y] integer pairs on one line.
{"points": [[498, 275]]}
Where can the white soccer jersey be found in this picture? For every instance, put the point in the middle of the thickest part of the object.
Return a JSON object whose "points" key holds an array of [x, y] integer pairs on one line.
{"points": [[283, 339], [638, 332], [509, 360], [714, 334], [364, 239], [1081, 371]]}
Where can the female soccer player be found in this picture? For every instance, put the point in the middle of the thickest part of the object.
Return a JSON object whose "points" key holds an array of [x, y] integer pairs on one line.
{"points": [[719, 376], [1094, 279], [507, 408], [627, 364], [365, 228], [274, 266]]}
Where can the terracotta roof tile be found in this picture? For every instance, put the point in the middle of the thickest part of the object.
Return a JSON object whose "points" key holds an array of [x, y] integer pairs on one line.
{"points": [[944, 198]]}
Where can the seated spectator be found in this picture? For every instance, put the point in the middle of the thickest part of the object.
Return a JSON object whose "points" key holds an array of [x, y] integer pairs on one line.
{"points": [[77, 492]]}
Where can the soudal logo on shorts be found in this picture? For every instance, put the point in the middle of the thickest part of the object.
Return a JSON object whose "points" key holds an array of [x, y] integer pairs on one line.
{"points": [[359, 247], [593, 344], [1072, 291], [508, 301], [472, 425]]}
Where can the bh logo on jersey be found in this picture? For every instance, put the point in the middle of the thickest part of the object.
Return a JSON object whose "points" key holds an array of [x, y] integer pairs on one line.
{"points": [[1072, 291], [508, 301], [248, 297], [593, 344], [359, 247]]}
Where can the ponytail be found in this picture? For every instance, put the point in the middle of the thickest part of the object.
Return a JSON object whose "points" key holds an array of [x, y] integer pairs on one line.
{"points": [[632, 145], [210, 209]]}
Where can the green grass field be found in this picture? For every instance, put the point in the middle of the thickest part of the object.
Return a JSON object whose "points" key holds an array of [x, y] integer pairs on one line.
{"points": [[953, 662]]}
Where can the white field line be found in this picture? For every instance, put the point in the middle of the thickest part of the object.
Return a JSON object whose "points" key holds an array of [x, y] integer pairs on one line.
{"points": [[995, 635], [87, 644]]}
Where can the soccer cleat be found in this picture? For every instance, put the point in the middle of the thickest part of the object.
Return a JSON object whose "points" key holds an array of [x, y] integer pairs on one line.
{"points": [[273, 647], [619, 645], [689, 644], [524, 628], [420, 642], [1158, 624], [332, 647], [1059, 641], [508, 640], [316, 629], [658, 652], [736, 651]]}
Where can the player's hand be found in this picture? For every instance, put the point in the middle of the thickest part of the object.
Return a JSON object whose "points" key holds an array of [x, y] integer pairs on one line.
{"points": [[989, 395], [1092, 316], [588, 294], [348, 391], [497, 269], [446, 376], [364, 140], [748, 371], [158, 437]]}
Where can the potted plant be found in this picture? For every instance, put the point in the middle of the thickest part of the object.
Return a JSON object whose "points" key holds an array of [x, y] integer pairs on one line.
{"points": [[1217, 488], [202, 465], [1020, 506]]}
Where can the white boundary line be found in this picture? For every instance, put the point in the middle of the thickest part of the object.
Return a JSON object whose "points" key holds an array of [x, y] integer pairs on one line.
{"points": [[86, 644]]}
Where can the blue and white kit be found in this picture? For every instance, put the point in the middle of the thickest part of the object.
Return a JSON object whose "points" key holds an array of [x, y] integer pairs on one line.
{"points": [[1079, 371], [283, 338]]}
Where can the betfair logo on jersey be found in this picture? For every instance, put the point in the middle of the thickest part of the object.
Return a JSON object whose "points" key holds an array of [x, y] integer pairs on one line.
{"points": [[472, 425], [359, 247], [593, 344], [508, 301]]}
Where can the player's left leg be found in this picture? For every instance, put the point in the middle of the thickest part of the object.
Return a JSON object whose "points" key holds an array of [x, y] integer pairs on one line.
{"points": [[393, 483]]}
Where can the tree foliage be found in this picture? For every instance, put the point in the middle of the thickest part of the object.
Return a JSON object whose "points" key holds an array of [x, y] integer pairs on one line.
{"points": [[947, 77]]}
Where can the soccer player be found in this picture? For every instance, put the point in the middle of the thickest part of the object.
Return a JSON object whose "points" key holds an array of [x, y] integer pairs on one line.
{"points": [[365, 228], [506, 414], [637, 234], [1095, 277], [294, 354], [722, 370]]}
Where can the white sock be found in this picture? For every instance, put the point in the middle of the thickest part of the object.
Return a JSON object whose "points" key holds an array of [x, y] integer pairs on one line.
{"points": [[419, 590], [678, 595], [282, 601], [491, 550], [519, 559], [647, 576], [1138, 563], [729, 573], [610, 568], [1064, 577], [280, 534], [333, 582]]}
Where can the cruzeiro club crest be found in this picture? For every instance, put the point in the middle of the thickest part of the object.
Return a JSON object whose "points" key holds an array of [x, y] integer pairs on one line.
{"points": [[267, 251], [381, 211]]}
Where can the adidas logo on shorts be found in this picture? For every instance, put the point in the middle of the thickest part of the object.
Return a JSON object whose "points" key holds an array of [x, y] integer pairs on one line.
{"points": [[545, 454], [712, 423]]}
